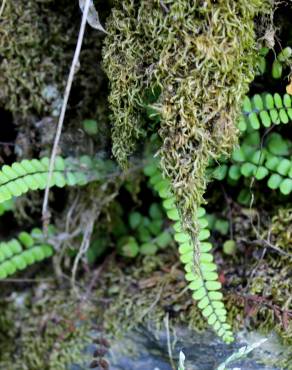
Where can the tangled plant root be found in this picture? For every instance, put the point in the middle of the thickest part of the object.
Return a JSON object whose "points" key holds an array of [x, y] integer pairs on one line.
{"points": [[201, 54]]}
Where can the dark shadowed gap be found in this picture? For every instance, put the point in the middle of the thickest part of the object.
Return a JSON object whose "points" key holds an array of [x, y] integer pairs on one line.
{"points": [[7, 137]]}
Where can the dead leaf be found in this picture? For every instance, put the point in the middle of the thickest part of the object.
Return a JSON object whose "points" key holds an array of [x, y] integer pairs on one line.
{"points": [[92, 18], [289, 87]]}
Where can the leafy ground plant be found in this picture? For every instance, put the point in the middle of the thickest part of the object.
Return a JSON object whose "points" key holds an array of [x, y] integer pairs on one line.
{"points": [[240, 354], [181, 363]]}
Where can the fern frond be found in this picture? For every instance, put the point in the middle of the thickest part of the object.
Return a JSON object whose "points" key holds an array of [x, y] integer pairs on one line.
{"points": [[265, 110], [200, 272], [272, 161], [6, 206], [17, 254], [27, 175]]}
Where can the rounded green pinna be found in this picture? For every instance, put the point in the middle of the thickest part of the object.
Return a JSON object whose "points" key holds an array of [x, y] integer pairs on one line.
{"points": [[18, 254]]}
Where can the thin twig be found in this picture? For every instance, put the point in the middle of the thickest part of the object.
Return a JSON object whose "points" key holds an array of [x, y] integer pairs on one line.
{"points": [[164, 7], [70, 213], [153, 304], [85, 244], [73, 69], [4, 143], [62, 237], [266, 243], [96, 275]]}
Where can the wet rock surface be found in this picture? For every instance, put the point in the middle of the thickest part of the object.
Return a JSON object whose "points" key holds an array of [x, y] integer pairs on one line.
{"points": [[146, 349]]}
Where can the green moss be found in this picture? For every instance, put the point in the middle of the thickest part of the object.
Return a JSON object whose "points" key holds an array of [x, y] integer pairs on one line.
{"points": [[273, 277], [281, 229], [260, 299], [44, 329], [36, 57], [202, 56], [48, 329]]}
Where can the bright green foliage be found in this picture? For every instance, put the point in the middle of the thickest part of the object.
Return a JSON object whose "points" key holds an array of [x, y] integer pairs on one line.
{"points": [[17, 254], [285, 54], [277, 69], [265, 110], [263, 159], [271, 161], [200, 269], [128, 247], [21, 177], [6, 206], [90, 127], [229, 247], [261, 62], [217, 224], [283, 59], [147, 234]]}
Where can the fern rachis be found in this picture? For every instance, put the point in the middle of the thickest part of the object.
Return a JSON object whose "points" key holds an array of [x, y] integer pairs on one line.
{"points": [[200, 270]]}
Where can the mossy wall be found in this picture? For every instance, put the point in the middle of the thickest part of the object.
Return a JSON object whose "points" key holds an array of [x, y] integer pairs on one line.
{"points": [[200, 55]]}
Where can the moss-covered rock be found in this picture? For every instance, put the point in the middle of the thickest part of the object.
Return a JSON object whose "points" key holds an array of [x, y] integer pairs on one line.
{"points": [[44, 329], [259, 276], [37, 42], [201, 56]]}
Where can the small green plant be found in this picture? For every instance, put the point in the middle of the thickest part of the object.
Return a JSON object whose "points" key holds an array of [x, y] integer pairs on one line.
{"points": [[270, 160], [217, 224], [262, 62], [265, 110], [282, 60], [23, 251], [145, 234], [240, 354], [6, 206], [200, 269], [29, 175], [90, 127], [229, 247], [181, 364], [267, 157]]}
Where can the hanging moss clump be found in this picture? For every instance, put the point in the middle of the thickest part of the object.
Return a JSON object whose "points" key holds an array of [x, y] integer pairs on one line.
{"points": [[201, 56]]}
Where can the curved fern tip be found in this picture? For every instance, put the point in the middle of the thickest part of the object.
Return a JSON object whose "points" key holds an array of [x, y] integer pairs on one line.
{"points": [[200, 270]]}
